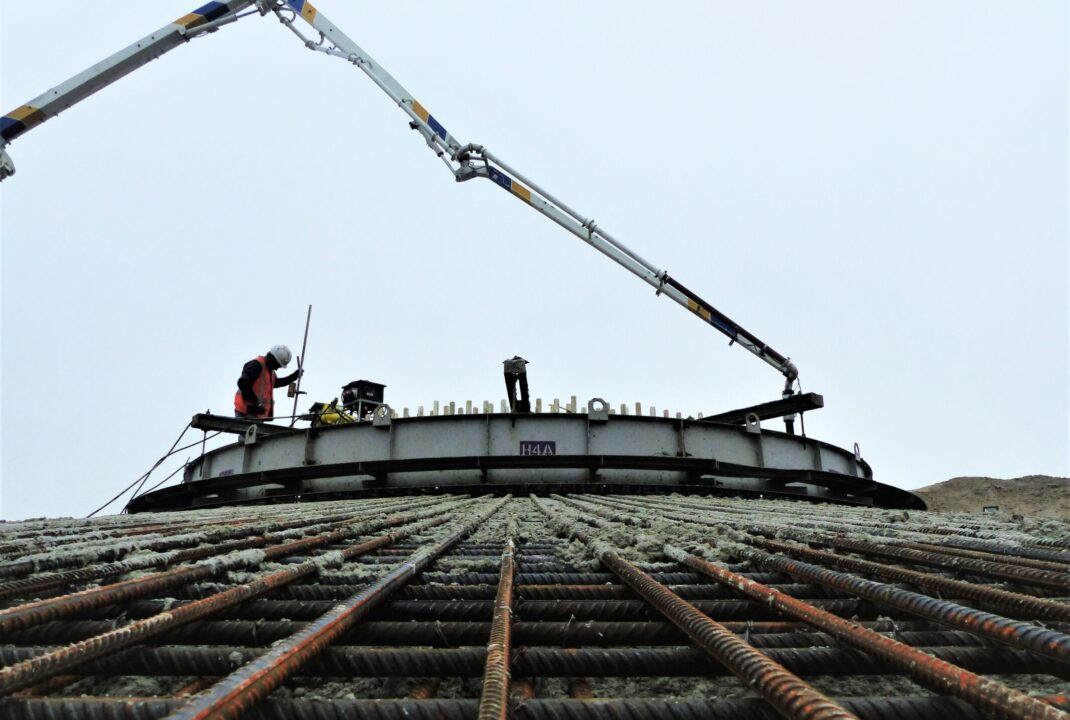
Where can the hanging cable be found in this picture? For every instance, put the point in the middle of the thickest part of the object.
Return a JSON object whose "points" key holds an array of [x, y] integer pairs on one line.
{"points": [[144, 477], [180, 467]]}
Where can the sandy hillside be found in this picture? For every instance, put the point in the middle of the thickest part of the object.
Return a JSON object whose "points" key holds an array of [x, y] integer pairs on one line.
{"points": [[1036, 495]]}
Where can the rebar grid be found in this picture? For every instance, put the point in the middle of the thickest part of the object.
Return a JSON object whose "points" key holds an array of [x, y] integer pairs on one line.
{"points": [[407, 607]]}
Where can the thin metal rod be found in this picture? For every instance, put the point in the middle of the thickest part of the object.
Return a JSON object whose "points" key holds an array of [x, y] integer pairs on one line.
{"points": [[51, 609], [879, 707], [238, 692], [1058, 581], [301, 366], [190, 545], [1017, 633], [989, 696], [14, 677], [494, 702], [788, 694], [1009, 603]]}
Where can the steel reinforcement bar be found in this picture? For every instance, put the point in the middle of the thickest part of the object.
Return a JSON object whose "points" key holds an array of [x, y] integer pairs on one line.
{"points": [[253, 682], [1019, 634], [991, 598], [33, 613], [998, 571], [1016, 633], [52, 663], [871, 708], [1030, 577], [601, 512], [494, 700], [791, 696], [938, 675], [987, 695], [1017, 552], [108, 552], [720, 510], [448, 633], [270, 533], [347, 662], [949, 549]]}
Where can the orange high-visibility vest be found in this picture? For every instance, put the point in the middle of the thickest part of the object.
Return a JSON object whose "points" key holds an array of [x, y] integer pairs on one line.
{"points": [[263, 388]]}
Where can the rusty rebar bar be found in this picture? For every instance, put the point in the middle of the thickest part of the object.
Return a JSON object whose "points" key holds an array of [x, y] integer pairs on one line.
{"points": [[1015, 633], [47, 687], [452, 634], [1034, 548], [601, 511], [938, 675], [1015, 604], [949, 549], [33, 613], [872, 708], [24, 587], [494, 700], [791, 696], [113, 552], [425, 689], [52, 663], [250, 684], [823, 655], [998, 571], [521, 691], [193, 687]]}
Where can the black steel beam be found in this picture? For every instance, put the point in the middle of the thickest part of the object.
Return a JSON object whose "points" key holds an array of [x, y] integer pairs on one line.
{"points": [[774, 409], [238, 426], [842, 488]]}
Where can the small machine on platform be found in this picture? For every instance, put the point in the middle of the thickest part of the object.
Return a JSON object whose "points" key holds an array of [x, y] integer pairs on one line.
{"points": [[360, 399]]}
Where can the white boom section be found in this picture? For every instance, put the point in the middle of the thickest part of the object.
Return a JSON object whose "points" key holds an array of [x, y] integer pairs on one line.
{"points": [[469, 161], [464, 161], [50, 104]]}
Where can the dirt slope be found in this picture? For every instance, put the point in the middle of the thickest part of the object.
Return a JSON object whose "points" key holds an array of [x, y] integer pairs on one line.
{"points": [[1036, 495]]}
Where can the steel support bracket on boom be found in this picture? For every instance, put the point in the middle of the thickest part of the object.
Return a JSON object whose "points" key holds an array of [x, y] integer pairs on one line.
{"points": [[7, 167]]}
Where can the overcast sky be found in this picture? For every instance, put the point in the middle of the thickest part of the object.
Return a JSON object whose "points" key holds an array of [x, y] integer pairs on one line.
{"points": [[878, 191]]}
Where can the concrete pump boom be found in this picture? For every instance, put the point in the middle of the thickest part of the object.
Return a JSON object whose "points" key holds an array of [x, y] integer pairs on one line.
{"points": [[465, 161]]}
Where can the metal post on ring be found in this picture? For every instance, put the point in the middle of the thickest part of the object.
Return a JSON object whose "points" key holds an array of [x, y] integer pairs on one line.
{"points": [[300, 368]]}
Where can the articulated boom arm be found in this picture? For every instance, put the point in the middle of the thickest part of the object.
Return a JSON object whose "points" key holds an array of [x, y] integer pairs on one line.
{"points": [[464, 161], [205, 19]]}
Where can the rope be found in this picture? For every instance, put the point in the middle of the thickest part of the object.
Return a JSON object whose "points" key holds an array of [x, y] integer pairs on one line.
{"points": [[140, 482], [207, 437], [145, 477]]}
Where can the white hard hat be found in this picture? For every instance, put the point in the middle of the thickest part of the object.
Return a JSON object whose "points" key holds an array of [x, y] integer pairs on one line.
{"points": [[282, 354]]}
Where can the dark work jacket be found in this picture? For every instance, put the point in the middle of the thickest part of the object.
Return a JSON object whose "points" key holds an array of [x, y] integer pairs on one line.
{"points": [[250, 373]]}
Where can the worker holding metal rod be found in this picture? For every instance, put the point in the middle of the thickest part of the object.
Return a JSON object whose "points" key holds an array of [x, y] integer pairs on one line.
{"points": [[255, 397]]}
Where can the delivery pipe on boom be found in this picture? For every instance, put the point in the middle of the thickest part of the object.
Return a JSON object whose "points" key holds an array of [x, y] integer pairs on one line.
{"points": [[471, 161], [464, 161], [104, 73]]}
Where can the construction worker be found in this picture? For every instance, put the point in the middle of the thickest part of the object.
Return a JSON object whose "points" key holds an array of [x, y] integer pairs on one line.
{"points": [[256, 386], [516, 370]]}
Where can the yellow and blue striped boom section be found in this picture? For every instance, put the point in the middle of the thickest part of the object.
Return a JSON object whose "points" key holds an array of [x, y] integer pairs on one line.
{"points": [[464, 161], [435, 132], [107, 71]]}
